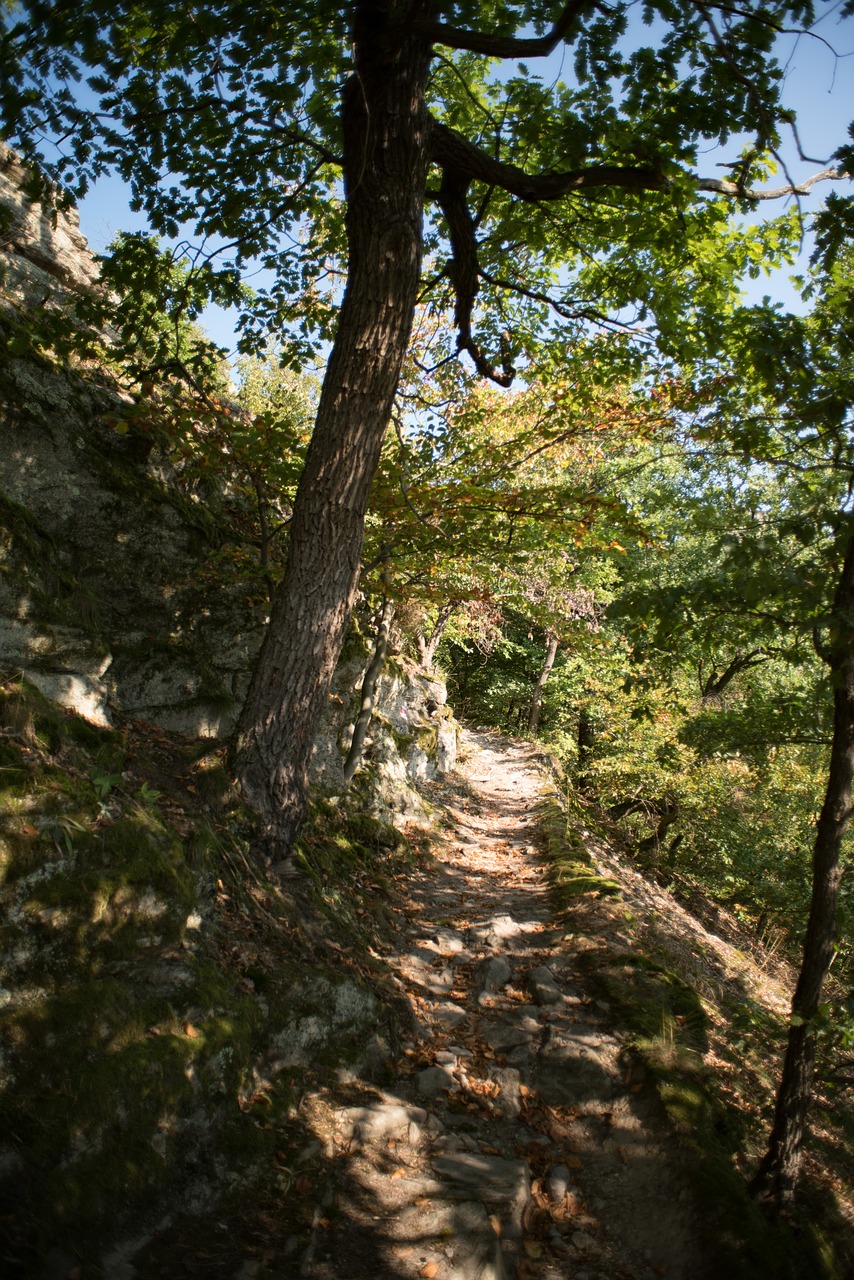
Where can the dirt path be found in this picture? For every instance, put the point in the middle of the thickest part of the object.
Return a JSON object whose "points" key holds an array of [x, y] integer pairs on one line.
{"points": [[511, 1140]]}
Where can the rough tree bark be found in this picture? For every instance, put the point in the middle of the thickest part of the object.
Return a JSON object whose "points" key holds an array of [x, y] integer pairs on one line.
{"points": [[777, 1176], [385, 129], [537, 697], [369, 689]]}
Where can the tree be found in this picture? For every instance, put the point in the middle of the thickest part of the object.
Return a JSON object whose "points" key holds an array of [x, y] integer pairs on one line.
{"points": [[552, 207], [775, 576]]}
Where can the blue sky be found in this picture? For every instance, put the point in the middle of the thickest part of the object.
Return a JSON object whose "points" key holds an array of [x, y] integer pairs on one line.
{"points": [[819, 87]]}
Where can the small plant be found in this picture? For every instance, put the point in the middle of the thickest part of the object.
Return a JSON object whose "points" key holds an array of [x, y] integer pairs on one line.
{"points": [[61, 831], [104, 783], [147, 795]]}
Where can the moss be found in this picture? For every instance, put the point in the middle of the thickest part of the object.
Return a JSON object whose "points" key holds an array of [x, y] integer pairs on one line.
{"points": [[571, 870], [427, 739], [114, 1075], [25, 711], [343, 854]]}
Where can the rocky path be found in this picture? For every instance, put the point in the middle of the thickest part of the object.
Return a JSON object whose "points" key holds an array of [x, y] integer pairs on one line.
{"points": [[512, 1141]]}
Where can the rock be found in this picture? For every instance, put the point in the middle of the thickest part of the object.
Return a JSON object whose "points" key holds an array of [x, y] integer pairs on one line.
{"points": [[502, 1184], [558, 1183], [509, 1100], [446, 746], [376, 1123], [466, 1246], [543, 987], [448, 941], [492, 974], [447, 1013], [435, 1080], [495, 931], [504, 1035], [572, 1069]]}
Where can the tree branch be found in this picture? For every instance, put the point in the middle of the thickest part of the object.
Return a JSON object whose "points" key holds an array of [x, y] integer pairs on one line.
{"points": [[464, 273], [751, 193], [452, 151], [494, 46], [455, 153]]}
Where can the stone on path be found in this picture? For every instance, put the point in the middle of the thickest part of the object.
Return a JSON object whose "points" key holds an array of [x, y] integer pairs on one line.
{"points": [[509, 1101], [507, 1035], [558, 1183], [543, 987], [448, 941], [464, 1238], [447, 1013], [492, 974], [380, 1121], [503, 1184], [574, 1068], [435, 1080]]}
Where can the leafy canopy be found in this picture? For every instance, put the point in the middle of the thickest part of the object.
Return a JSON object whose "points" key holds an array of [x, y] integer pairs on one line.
{"points": [[560, 199]]}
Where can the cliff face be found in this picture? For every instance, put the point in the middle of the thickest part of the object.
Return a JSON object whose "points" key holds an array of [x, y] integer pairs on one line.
{"points": [[112, 600]]}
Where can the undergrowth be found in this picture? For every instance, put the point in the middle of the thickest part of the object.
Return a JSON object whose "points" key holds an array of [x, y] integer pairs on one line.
{"points": [[154, 980], [717, 1117]]}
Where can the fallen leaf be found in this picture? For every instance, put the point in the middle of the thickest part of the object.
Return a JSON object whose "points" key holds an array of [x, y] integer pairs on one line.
{"points": [[572, 1162], [429, 1270], [495, 1223], [402, 1250], [191, 1031], [533, 1248]]}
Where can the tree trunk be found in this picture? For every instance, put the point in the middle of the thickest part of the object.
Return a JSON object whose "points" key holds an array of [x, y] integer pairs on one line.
{"points": [[585, 739], [385, 138], [777, 1175], [427, 648], [369, 688], [537, 696]]}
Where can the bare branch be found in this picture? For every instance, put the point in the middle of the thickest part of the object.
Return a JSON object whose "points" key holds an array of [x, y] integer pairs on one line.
{"points": [[494, 46], [751, 193]]}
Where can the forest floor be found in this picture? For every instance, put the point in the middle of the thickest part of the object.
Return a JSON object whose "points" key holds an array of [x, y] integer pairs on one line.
{"points": [[550, 1114], [520, 1134], [516, 1140]]}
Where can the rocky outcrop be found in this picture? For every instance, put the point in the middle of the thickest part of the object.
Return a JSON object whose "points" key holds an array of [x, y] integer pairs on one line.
{"points": [[43, 254], [113, 599]]}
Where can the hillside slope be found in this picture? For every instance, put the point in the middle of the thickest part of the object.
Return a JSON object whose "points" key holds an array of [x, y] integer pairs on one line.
{"points": [[490, 1050]]}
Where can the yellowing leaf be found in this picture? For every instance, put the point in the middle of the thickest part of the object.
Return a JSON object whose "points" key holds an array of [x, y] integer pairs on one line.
{"points": [[429, 1270]]}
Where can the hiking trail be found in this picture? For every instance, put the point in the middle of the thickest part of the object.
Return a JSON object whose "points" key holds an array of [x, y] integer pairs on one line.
{"points": [[514, 1140]]}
